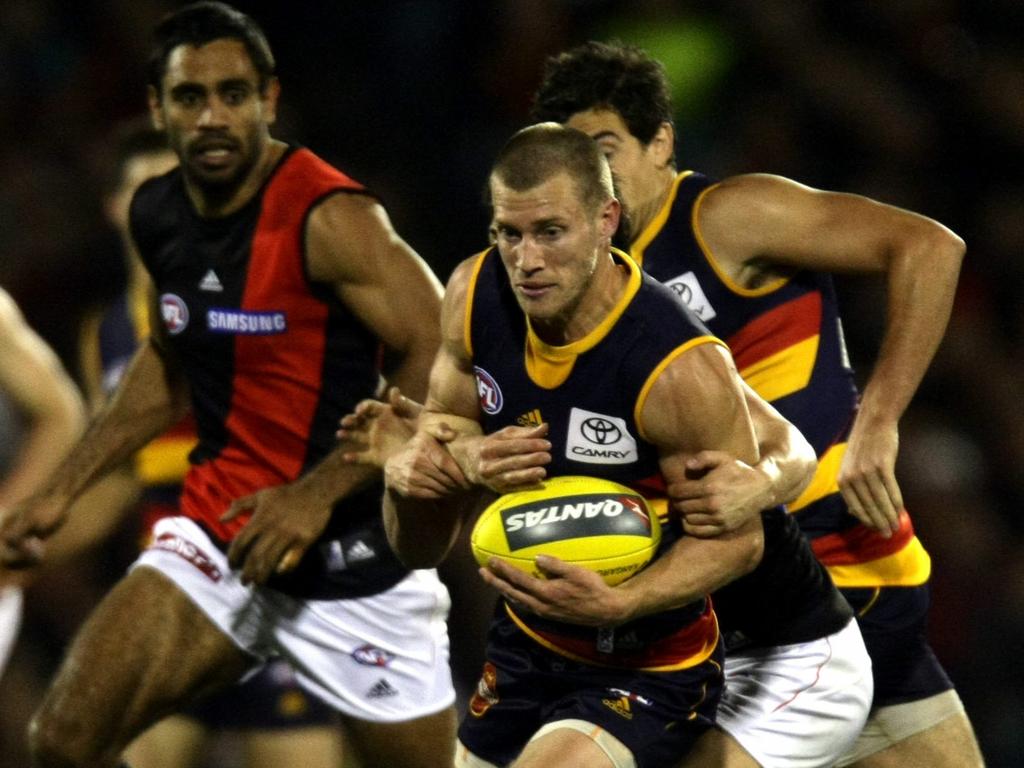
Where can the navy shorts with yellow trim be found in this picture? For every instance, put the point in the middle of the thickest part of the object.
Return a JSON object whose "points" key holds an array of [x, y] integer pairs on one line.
{"points": [[657, 715], [269, 700], [893, 621]]}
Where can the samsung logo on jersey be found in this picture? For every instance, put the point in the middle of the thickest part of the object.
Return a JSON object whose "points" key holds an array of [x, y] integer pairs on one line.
{"points": [[251, 323]]}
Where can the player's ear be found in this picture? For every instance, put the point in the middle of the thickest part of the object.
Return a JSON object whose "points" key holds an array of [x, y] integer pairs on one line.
{"points": [[663, 145], [155, 113], [610, 214], [269, 98]]}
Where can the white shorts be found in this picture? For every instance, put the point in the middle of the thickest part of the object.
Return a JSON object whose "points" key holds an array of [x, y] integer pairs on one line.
{"points": [[10, 622], [382, 658], [801, 705]]}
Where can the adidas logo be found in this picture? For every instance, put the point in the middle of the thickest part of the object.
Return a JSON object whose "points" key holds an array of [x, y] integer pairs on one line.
{"points": [[382, 689], [530, 419], [619, 706], [210, 282], [359, 551]]}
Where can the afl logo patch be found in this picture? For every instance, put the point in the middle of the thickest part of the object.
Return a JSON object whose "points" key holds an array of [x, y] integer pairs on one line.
{"points": [[371, 656], [174, 312], [489, 391]]}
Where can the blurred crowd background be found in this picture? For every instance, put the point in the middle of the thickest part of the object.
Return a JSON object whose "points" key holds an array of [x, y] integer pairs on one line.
{"points": [[918, 103]]}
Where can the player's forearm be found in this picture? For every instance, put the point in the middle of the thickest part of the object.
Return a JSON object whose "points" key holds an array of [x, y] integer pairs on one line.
{"points": [[145, 405], [421, 532], [921, 287], [691, 569], [335, 479], [93, 516], [787, 460], [412, 373]]}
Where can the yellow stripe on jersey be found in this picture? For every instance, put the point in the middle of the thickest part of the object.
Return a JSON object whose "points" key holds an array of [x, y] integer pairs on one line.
{"points": [[164, 461], [825, 480], [910, 567], [785, 372], [651, 231], [547, 365], [724, 276], [467, 320]]}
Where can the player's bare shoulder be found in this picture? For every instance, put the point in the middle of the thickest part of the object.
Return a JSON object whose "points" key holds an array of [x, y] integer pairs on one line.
{"points": [[344, 233]]}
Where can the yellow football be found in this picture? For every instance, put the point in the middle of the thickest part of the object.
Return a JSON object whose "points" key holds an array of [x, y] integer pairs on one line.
{"points": [[594, 523]]}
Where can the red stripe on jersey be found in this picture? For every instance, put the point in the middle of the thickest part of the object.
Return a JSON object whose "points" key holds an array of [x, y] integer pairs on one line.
{"points": [[277, 380], [861, 544], [776, 330]]}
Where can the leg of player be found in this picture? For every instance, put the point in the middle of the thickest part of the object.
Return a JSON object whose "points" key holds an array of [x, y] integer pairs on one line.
{"points": [[174, 742], [422, 743], [145, 650], [568, 747], [316, 746], [719, 749], [950, 743]]}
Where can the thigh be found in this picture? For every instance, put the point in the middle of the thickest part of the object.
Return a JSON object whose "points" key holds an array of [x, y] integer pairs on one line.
{"points": [[174, 742], [569, 748], [309, 747], [717, 749], [424, 742], [930, 733], [145, 650]]}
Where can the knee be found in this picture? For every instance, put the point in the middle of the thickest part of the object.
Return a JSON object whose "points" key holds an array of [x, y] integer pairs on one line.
{"points": [[57, 742]]}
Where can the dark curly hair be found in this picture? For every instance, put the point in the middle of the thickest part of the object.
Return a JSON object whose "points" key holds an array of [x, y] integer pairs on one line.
{"points": [[605, 76], [201, 23]]}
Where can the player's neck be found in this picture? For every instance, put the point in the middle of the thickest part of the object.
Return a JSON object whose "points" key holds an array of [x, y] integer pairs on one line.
{"points": [[597, 302], [212, 204], [651, 203]]}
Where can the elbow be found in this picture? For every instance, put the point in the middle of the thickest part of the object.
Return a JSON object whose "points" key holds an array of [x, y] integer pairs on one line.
{"points": [[754, 551], [943, 250]]}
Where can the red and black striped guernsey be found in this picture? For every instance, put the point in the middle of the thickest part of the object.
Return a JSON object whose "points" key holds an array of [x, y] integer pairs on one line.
{"points": [[273, 359]]}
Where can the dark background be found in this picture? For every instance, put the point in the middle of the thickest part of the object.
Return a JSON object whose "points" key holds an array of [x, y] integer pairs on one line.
{"points": [[918, 103]]}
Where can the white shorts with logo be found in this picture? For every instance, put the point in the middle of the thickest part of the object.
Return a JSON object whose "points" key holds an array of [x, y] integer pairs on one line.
{"points": [[382, 658], [10, 622], [800, 705]]}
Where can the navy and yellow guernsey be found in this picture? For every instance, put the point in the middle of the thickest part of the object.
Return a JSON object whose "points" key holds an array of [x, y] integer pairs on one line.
{"points": [[787, 339], [590, 393]]}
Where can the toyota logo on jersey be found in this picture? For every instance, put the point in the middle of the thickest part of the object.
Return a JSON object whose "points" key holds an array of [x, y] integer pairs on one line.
{"points": [[174, 312], [488, 390], [598, 438], [600, 431]]}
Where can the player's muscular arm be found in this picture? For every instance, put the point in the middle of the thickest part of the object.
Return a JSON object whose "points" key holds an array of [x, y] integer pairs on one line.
{"points": [[788, 225], [352, 246], [718, 493], [427, 494], [696, 404]]}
